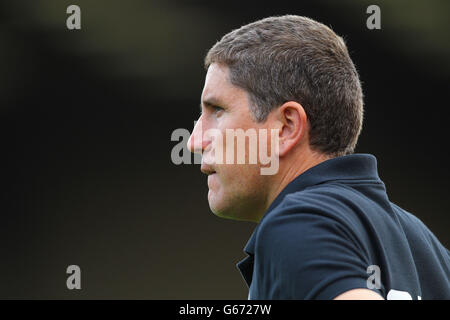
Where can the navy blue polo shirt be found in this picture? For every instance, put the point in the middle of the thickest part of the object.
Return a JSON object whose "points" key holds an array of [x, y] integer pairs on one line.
{"points": [[333, 229]]}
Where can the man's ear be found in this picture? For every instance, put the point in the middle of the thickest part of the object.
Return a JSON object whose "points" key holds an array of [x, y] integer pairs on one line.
{"points": [[293, 125]]}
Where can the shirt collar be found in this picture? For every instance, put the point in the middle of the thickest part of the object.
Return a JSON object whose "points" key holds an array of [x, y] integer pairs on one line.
{"points": [[349, 167]]}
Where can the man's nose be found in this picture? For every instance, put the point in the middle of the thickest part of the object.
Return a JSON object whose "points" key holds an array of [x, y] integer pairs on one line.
{"points": [[196, 142]]}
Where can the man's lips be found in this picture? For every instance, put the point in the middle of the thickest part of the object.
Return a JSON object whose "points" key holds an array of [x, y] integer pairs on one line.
{"points": [[207, 169]]}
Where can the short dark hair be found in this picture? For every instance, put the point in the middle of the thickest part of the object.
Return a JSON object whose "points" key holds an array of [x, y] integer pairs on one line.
{"points": [[294, 58]]}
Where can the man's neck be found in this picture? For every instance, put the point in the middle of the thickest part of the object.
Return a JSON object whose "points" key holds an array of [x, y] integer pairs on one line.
{"points": [[290, 170]]}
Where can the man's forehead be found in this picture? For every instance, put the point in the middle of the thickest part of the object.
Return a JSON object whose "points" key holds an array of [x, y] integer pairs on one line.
{"points": [[216, 77], [218, 90], [217, 72], [216, 86]]}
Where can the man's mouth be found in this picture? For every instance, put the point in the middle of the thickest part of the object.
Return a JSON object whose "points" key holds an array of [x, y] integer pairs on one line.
{"points": [[207, 170]]}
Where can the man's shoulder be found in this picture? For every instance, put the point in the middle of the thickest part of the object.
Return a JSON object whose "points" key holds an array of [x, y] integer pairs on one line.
{"points": [[328, 208], [334, 209], [334, 200]]}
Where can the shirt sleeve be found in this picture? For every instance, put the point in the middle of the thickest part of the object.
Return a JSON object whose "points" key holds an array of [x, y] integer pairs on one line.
{"points": [[308, 255]]}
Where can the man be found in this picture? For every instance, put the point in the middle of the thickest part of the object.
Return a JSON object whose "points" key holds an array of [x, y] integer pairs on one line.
{"points": [[326, 228]]}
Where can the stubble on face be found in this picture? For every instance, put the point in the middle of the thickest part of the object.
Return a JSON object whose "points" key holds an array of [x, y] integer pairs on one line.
{"points": [[236, 191]]}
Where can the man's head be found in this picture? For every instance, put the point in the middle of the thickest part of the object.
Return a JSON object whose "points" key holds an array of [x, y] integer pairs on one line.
{"points": [[288, 73]]}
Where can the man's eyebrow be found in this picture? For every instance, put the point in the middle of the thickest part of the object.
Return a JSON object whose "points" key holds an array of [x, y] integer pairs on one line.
{"points": [[210, 102]]}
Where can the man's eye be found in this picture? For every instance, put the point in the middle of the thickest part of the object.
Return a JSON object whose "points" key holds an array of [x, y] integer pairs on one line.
{"points": [[217, 108]]}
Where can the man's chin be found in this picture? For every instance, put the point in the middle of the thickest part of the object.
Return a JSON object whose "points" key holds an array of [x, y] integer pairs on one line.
{"points": [[228, 212], [219, 210]]}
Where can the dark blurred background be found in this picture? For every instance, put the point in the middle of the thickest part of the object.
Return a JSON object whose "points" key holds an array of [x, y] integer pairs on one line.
{"points": [[86, 118]]}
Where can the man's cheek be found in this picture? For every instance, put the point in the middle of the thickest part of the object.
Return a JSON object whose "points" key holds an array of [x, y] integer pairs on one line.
{"points": [[223, 180]]}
